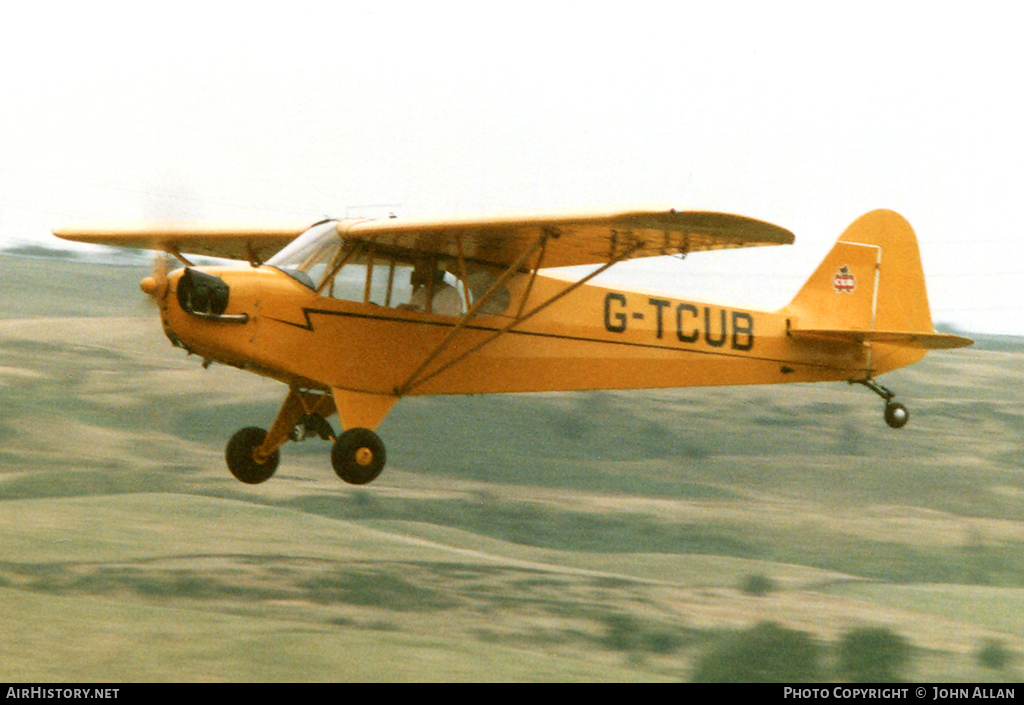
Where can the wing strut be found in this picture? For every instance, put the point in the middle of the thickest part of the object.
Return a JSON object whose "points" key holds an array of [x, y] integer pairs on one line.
{"points": [[417, 378], [512, 269]]}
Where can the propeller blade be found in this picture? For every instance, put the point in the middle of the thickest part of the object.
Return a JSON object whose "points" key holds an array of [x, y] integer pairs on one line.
{"points": [[155, 285]]}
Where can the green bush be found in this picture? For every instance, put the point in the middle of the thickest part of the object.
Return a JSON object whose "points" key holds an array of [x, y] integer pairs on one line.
{"points": [[873, 655], [766, 653], [371, 589], [993, 654], [623, 632], [757, 585]]}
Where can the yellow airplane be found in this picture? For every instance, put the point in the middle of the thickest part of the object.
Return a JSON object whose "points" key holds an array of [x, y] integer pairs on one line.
{"points": [[355, 314]]}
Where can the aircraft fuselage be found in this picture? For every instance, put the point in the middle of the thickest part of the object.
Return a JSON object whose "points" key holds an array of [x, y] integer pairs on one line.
{"points": [[593, 338]]}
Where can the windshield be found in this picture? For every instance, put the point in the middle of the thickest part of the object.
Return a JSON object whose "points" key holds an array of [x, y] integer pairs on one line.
{"points": [[308, 258], [390, 277]]}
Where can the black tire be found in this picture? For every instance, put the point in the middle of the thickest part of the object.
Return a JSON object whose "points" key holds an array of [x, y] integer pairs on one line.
{"points": [[896, 415], [240, 460], [358, 456]]}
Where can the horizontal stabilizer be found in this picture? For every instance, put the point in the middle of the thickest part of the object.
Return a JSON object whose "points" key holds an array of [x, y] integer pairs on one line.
{"points": [[924, 341]]}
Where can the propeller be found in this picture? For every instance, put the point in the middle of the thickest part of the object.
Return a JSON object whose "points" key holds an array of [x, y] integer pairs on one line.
{"points": [[155, 285]]}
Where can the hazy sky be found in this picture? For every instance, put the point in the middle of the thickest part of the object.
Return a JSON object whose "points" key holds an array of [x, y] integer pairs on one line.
{"points": [[803, 114]]}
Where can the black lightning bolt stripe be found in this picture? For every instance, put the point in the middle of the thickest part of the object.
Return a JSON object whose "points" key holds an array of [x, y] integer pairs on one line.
{"points": [[307, 313]]}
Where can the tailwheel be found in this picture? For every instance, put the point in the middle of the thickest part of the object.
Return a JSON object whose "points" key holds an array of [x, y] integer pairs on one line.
{"points": [[358, 456], [896, 415], [242, 460]]}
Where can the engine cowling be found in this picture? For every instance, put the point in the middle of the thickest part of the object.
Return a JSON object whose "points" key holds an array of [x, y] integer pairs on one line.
{"points": [[202, 294]]}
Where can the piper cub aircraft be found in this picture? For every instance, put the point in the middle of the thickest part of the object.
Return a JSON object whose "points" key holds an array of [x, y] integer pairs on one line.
{"points": [[355, 314]]}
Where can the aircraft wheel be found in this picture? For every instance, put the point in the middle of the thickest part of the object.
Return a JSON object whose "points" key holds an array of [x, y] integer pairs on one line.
{"points": [[358, 456], [896, 415], [240, 461]]}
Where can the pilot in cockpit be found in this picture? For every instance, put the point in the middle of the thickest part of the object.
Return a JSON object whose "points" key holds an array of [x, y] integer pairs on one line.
{"points": [[446, 300]]}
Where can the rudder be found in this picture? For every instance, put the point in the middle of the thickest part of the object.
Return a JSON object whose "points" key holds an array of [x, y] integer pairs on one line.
{"points": [[871, 280], [870, 289]]}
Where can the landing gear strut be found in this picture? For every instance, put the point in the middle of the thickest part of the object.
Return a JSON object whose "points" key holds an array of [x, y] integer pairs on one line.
{"points": [[896, 415]]}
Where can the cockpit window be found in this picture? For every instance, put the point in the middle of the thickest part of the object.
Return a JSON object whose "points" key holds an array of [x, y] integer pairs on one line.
{"points": [[480, 280], [388, 277], [393, 281], [308, 258]]}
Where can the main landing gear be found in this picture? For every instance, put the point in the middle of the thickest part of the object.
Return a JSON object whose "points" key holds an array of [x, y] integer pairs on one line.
{"points": [[896, 415], [358, 456], [253, 454], [241, 457]]}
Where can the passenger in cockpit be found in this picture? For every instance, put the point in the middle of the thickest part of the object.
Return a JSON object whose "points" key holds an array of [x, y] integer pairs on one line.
{"points": [[445, 301]]}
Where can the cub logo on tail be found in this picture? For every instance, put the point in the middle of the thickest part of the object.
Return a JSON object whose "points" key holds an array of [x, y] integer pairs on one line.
{"points": [[844, 281]]}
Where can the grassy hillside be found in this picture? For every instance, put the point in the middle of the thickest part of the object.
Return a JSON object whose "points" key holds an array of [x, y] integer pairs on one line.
{"points": [[599, 536]]}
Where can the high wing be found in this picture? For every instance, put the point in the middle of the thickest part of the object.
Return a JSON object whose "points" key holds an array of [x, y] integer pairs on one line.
{"points": [[572, 239], [231, 241]]}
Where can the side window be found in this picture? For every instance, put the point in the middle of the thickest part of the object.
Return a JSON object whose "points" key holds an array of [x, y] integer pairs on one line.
{"points": [[349, 283], [379, 272], [390, 283], [425, 285], [480, 281], [434, 290], [401, 284]]}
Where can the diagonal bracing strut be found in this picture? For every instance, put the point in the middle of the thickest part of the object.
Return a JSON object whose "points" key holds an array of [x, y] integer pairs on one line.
{"points": [[417, 378]]}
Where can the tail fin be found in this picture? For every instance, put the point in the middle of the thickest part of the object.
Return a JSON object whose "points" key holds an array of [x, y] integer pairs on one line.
{"points": [[870, 289]]}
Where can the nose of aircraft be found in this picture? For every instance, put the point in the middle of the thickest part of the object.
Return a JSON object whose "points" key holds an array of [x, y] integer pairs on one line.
{"points": [[148, 285]]}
